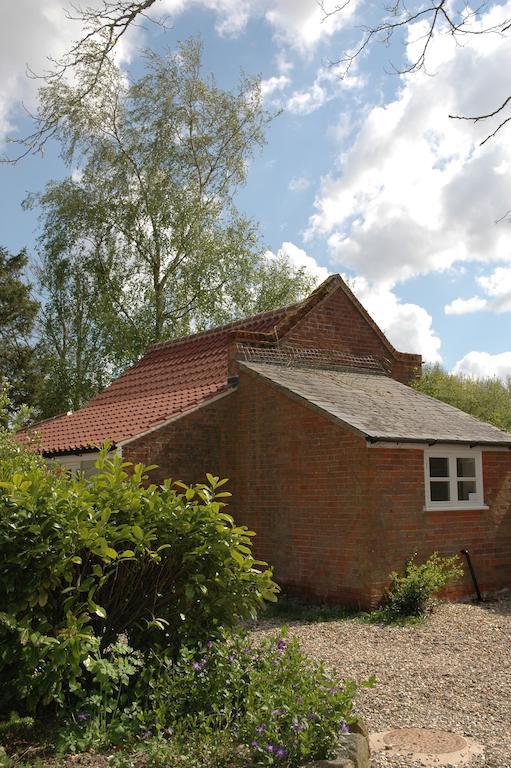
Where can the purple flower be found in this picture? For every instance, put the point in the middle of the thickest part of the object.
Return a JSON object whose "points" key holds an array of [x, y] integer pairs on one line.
{"points": [[344, 728], [281, 645], [82, 716], [210, 644], [312, 715], [278, 712], [255, 744], [196, 665], [281, 752], [271, 748], [296, 726], [261, 728], [232, 657], [146, 734]]}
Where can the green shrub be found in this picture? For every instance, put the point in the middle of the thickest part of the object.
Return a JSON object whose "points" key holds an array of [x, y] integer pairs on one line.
{"points": [[409, 593], [15, 723], [205, 748], [105, 710], [83, 561], [278, 703], [275, 704], [295, 711]]}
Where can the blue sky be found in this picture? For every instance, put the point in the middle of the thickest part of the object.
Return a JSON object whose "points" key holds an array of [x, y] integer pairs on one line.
{"points": [[366, 176]]}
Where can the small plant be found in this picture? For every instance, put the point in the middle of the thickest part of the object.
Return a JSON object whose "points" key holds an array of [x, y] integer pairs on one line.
{"points": [[204, 748], [15, 723], [278, 704], [104, 711], [409, 593], [295, 710]]}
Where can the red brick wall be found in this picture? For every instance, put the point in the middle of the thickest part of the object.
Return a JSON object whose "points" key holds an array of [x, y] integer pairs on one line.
{"points": [[292, 481], [335, 323], [187, 448], [295, 486], [332, 516], [402, 527]]}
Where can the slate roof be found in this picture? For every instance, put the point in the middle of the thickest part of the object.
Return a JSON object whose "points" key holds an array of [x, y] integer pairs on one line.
{"points": [[379, 407]]}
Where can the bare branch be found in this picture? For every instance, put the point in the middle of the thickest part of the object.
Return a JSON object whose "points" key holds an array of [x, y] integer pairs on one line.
{"points": [[103, 28], [440, 19]]}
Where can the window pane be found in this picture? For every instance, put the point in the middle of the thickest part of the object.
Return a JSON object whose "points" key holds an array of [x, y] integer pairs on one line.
{"points": [[466, 467], [439, 491], [465, 487], [439, 466]]}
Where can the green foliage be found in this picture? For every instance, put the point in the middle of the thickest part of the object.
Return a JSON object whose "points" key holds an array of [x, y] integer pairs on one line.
{"points": [[295, 711], [105, 711], [204, 748], [15, 723], [148, 229], [86, 560], [487, 399], [409, 593], [18, 312], [72, 341], [277, 705], [290, 609]]}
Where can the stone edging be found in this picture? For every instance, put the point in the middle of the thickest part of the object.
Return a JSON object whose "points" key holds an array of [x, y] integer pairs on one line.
{"points": [[354, 751]]}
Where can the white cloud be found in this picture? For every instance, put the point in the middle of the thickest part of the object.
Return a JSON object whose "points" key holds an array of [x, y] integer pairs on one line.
{"points": [[327, 84], [284, 66], [480, 365], [273, 84], [496, 285], [465, 306], [299, 24], [299, 259], [305, 102], [416, 193], [298, 184], [232, 15], [408, 327]]}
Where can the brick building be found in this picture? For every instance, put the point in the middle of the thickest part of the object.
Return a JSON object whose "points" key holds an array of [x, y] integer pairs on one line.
{"points": [[341, 468]]}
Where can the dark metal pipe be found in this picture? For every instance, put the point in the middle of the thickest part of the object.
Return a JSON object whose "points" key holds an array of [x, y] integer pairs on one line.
{"points": [[472, 573]]}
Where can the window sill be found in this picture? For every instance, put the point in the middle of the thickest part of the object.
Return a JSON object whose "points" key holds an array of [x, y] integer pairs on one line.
{"points": [[457, 508]]}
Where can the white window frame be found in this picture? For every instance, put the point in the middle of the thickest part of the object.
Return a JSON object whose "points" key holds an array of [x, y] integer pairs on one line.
{"points": [[451, 454]]}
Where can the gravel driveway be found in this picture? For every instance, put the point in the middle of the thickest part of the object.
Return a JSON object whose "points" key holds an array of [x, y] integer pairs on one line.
{"points": [[452, 672]]}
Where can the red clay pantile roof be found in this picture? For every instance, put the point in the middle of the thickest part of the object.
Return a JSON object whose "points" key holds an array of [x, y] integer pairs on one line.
{"points": [[173, 377], [170, 379]]}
